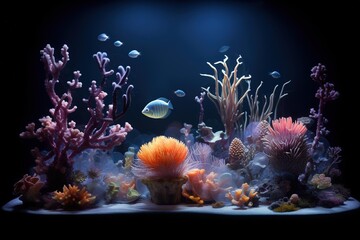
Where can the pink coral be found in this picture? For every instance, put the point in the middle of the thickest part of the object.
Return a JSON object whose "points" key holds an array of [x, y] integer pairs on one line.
{"points": [[204, 187], [64, 140], [286, 146]]}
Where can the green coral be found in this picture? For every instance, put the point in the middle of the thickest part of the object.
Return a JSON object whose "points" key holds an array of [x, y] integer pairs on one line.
{"points": [[286, 207]]}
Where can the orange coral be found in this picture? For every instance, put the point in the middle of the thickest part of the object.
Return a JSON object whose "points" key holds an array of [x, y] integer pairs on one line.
{"points": [[163, 157], [73, 198], [243, 197]]}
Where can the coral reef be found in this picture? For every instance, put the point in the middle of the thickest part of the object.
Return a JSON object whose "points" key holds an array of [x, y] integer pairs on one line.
{"points": [[29, 188], [72, 198], [226, 96], [286, 146], [64, 140]]}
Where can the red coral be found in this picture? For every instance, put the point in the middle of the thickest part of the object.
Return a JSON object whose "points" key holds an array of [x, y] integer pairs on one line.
{"points": [[29, 188]]}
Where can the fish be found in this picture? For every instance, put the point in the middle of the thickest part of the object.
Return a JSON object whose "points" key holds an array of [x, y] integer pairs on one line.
{"points": [[275, 74], [158, 109], [134, 53], [179, 93], [118, 43], [224, 48], [103, 37]]}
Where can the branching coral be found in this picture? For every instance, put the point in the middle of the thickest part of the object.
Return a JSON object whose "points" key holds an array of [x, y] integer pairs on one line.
{"points": [[325, 93], [162, 158], [73, 198], [226, 96], [29, 188], [64, 140], [243, 197], [286, 145]]}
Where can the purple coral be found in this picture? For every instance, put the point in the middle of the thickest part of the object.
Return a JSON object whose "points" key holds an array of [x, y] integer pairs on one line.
{"points": [[325, 93], [64, 140]]}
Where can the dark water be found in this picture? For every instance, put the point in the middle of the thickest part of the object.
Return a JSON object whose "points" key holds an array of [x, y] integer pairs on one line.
{"points": [[176, 40]]}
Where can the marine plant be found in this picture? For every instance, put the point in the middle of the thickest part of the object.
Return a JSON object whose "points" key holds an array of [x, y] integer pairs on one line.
{"points": [[59, 133]]}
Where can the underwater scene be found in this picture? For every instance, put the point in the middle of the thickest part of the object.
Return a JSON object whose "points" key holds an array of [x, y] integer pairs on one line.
{"points": [[217, 107]]}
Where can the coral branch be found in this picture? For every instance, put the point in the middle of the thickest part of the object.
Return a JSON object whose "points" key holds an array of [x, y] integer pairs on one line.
{"points": [[226, 97], [64, 140]]}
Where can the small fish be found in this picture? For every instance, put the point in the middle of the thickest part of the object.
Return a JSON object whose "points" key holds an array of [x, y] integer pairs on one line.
{"points": [[158, 109], [275, 74], [103, 37], [134, 54], [224, 48], [118, 43], [179, 93]]}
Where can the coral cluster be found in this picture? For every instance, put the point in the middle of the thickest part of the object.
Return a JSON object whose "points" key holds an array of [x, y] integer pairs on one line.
{"points": [[244, 196], [73, 198]]}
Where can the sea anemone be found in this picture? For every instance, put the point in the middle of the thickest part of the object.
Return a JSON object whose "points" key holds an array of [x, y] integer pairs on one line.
{"points": [[162, 158], [73, 198], [286, 146]]}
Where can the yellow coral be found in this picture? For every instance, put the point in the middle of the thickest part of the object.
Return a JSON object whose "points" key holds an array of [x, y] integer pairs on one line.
{"points": [[73, 198]]}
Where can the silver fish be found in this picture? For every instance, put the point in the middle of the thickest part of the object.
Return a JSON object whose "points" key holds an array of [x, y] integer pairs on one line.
{"points": [[103, 37], [275, 74], [158, 109], [134, 53], [118, 43], [179, 93]]}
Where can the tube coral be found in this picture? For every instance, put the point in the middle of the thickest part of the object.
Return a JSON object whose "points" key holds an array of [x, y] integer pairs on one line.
{"points": [[162, 158], [286, 145]]}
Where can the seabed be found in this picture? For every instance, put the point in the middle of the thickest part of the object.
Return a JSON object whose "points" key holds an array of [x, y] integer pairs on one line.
{"points": [[146, 206]]}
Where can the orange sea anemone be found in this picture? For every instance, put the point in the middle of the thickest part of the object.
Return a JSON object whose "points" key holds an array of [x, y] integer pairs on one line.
{"points": [[162, 158], [73, 198]]}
